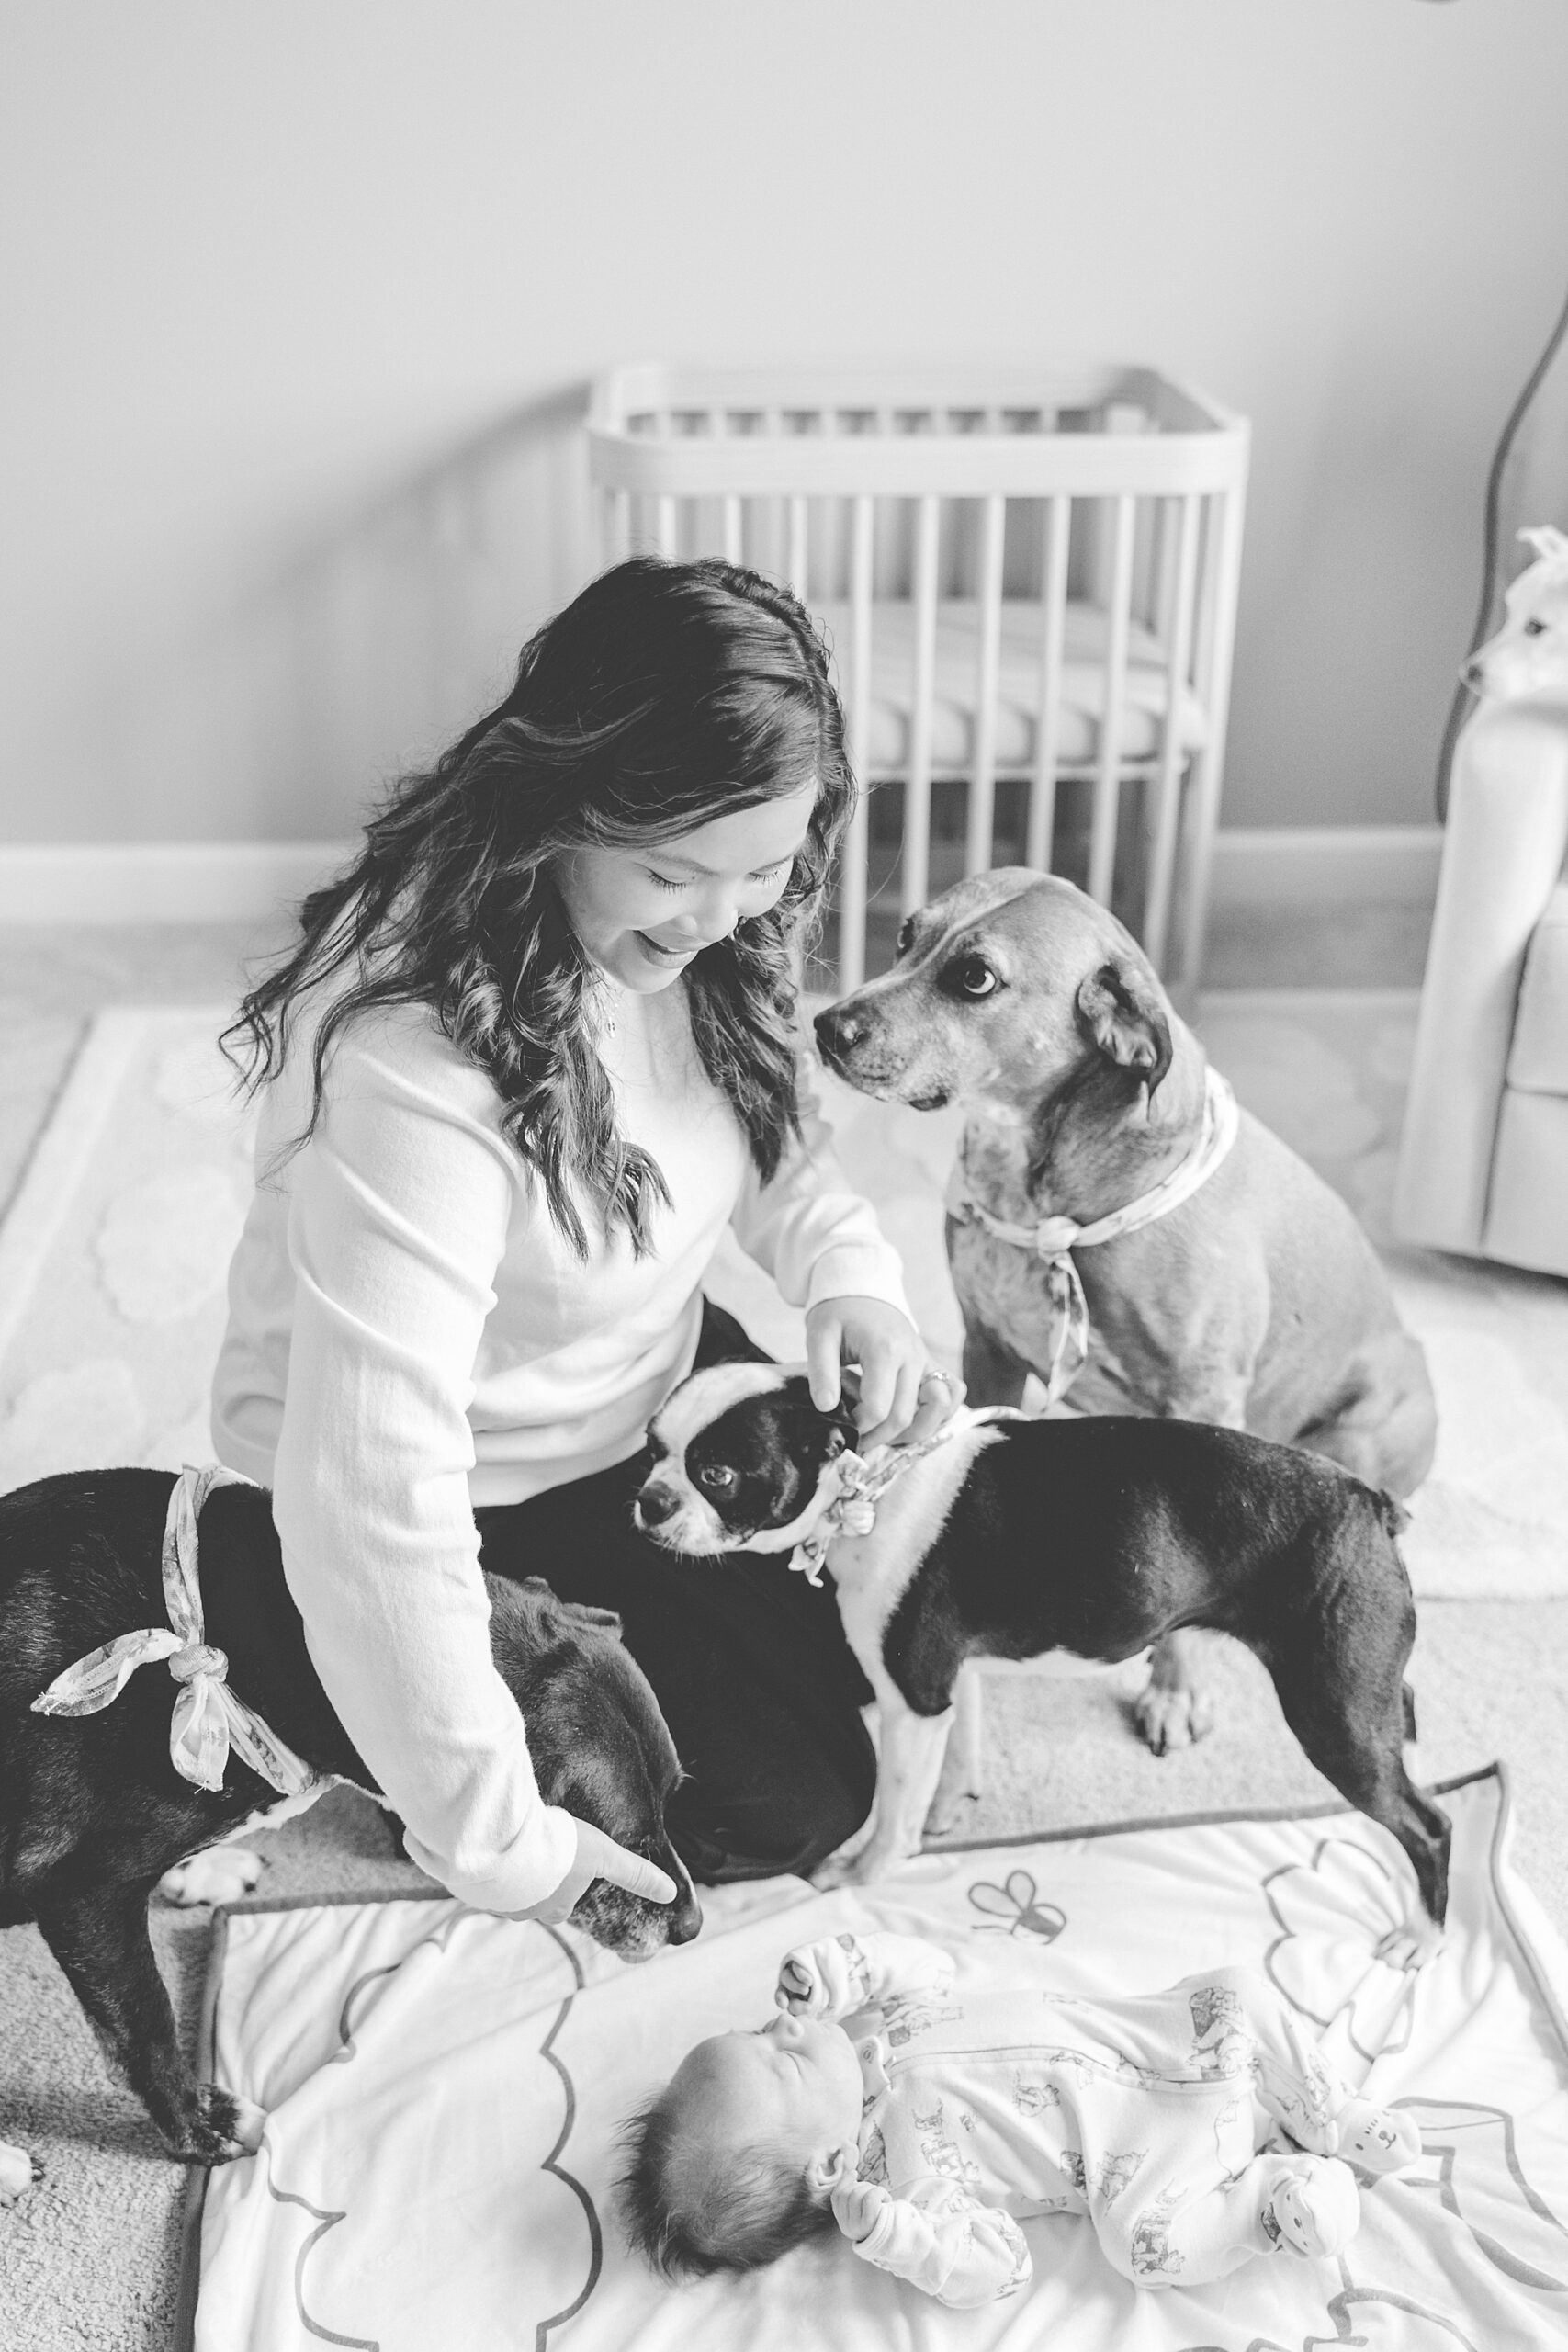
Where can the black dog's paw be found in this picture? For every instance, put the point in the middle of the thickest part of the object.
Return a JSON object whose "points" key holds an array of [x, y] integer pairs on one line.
{"points": [[224, 2126], [18, 2173]]}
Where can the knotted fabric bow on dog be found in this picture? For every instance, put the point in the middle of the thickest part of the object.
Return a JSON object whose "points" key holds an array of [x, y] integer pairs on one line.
{"points": [[208, 1718], [851, 1485], [1056, 1238]]}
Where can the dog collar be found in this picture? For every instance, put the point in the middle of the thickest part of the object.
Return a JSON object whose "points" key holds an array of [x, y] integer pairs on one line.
{"points": [[851, 1485], [1056, 1238], [208, 1717]]}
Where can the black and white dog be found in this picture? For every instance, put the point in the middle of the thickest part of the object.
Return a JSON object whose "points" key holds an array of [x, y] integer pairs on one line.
{"points": [[1093, 1536], [93, 1813]]}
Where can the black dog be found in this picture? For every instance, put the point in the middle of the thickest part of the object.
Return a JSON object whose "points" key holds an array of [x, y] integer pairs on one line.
{"points": [[92, 1811], [1094, 1536]]}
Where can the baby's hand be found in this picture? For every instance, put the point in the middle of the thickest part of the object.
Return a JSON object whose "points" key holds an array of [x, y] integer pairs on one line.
{"points": [[856, 2205], [800, 1988]]}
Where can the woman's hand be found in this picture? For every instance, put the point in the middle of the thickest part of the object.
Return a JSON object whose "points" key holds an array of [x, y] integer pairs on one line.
{"points": [[598, 1856], [904, 1398]]}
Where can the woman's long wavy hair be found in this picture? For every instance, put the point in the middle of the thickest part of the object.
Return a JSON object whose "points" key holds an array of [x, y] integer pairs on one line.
{"points": [[663, 697]]}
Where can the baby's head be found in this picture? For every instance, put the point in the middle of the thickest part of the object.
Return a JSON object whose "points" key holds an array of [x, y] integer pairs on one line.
{"points": [[736, 2159]]}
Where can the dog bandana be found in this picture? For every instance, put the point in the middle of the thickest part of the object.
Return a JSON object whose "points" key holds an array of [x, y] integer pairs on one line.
{"points": [[1056, 1238], [208, 1719], [851, 1485]]}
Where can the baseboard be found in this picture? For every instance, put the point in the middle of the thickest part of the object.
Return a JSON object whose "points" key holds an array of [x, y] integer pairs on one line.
{"points": [[1333, 865], [68, 882], [1328, 866]]}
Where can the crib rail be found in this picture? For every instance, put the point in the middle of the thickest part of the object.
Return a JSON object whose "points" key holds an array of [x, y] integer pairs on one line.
{"points": [[1029, 579]]}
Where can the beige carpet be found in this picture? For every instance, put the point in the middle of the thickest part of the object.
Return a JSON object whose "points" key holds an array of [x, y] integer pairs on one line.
{"points": [[110, 1303]]}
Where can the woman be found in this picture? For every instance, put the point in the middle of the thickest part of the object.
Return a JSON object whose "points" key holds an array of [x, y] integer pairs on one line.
{"points": [[533, 1051]]}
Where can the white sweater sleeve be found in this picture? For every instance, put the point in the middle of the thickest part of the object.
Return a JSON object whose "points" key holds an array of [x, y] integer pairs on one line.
{"points": [[398, 1211], [806, 1228]]}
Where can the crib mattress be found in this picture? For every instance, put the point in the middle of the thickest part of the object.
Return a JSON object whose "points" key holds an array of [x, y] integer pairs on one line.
{"points": [[1083, 702], [444, 2090]]}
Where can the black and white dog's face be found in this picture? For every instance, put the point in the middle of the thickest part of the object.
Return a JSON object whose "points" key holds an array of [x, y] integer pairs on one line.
{"points": [[739, 1458]]}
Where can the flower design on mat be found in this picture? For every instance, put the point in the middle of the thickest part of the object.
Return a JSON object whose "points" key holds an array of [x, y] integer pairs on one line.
{"points": [[1014, 1909], [1333, 1914]]}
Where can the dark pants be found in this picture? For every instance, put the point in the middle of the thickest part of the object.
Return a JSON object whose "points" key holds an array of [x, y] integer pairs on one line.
{"points": [[748, 1663]]}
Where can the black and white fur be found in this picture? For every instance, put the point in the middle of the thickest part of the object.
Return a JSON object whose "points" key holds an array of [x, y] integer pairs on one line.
{"points": [[1092, 1536], [93, 1813]]}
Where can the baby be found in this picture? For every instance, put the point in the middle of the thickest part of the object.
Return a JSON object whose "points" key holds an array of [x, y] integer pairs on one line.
{"points": [[926, 2123]]}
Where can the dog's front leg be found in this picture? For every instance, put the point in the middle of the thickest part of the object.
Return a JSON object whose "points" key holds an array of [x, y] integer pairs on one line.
{"points": [[908, 1768], [1176, 1706], [101, 1939]]}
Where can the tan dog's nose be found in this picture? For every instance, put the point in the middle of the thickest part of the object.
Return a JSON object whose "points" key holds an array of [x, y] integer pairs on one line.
{"points": [[838, 1031]]}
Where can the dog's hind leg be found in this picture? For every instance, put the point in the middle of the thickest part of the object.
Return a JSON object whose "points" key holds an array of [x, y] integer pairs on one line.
{"points": [[101, 1939], [1349, 1714]]}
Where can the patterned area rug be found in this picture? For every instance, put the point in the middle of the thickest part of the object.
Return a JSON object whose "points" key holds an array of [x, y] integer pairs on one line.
{"points": [[113, 1258]]}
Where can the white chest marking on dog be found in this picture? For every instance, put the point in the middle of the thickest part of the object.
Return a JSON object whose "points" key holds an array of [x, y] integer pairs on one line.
{"points": [[1054, 1238], [208, 1717]]}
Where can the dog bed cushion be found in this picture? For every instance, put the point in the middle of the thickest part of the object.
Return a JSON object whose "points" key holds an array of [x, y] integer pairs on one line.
{"points": [[445, 2089]]}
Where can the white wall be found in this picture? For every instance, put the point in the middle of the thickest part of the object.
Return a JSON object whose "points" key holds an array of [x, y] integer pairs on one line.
{"points": [[299, 298]]}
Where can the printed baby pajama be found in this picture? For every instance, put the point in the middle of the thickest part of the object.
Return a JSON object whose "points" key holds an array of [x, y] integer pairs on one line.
{"points": [[1158, 2116]]}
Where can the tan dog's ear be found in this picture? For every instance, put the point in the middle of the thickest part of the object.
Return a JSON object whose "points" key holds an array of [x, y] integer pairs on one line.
{"points": [[1124, 1014]]}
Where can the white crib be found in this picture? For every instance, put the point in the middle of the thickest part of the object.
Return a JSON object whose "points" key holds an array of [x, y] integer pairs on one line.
{"points": [[1029, 577]]}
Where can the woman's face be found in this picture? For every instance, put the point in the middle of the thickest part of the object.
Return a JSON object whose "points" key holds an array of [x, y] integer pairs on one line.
{"points": [[642, 913]]}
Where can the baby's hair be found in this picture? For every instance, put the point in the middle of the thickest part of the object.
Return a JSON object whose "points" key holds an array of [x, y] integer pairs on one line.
{"points": [[755, 2207]]}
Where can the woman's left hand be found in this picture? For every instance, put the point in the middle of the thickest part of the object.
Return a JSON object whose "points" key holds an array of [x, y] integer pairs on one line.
{"points": [[904, 1398]]}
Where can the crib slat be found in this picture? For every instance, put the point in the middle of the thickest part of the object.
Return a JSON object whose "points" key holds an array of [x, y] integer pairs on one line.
{"points": [[1177, 618], [664, 524], [855, 857], [917, 785], [1217, 637], [1048, 718], [732, 530], [983, 783], [794, 571], [613, 513], [1107, 775]]}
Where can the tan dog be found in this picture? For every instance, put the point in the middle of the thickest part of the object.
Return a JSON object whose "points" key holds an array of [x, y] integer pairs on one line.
{"points": [[1257, 1303]]}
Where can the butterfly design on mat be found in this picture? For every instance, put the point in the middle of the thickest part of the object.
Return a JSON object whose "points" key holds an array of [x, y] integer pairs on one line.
{"points": [[1015, 1909]]}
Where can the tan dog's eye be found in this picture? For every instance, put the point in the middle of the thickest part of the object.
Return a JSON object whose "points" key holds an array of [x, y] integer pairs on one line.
{"points": [[718, 1477], [906, 933], [972, 977]]}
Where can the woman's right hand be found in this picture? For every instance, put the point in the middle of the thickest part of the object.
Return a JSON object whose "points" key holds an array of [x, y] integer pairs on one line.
{"points": [[598, 1856]]}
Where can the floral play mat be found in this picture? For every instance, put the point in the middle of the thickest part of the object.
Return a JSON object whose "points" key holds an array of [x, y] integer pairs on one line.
{"points": [[444, 2091]]}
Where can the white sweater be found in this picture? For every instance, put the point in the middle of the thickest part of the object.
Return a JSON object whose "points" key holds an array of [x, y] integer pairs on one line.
{"points": [[410, 1335]]}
